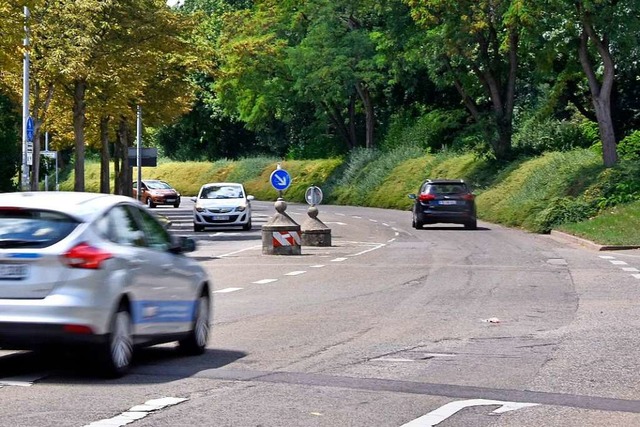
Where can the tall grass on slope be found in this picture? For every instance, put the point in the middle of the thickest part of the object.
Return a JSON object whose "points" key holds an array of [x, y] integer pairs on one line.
{"points": [[528, 190], [366, 171]]}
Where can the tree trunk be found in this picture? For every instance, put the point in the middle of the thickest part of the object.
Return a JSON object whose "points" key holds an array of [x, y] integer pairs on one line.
{"points": [[365, 97], [40, 109], [79, 109], [124, 182], [600, 93], [104, 155]]}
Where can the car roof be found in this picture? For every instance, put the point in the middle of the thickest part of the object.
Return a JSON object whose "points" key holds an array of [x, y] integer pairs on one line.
{"points": [[444, 181], [221, 183], [80, 205]]}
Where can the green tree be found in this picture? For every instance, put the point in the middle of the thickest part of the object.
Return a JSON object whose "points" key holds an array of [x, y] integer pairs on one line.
{"points": [[475, 45], [10, 152]]}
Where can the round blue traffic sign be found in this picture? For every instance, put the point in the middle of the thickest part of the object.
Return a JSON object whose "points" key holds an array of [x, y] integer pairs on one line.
{"points": [[280, 179]]}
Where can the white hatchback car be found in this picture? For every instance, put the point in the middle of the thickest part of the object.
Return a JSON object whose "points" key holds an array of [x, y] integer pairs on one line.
{"points": [[222, 204], [97, 272]]}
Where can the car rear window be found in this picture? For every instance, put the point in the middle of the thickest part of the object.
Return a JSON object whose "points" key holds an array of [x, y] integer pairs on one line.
{"points": [[447, 189], [33, 228]]}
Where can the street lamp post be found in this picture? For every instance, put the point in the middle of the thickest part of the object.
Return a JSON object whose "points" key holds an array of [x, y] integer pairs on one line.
{"points": [[25, 101]]}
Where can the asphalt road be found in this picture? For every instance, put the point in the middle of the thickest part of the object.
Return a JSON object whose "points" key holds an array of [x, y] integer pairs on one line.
{"points": [[390, 326]]}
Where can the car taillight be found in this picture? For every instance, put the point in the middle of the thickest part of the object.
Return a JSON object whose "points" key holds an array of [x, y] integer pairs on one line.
{"points": [[77, 329], [85, 256], [426, 197], [468, 197]]}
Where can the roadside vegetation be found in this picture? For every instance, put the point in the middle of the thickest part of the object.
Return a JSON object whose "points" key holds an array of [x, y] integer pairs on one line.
{"points": [[570, 191]]}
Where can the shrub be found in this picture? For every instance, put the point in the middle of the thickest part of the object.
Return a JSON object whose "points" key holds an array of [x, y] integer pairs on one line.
{"points": [[537, 136]]}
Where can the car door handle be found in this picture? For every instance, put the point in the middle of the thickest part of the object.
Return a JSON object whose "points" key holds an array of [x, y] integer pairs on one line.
{"points": [[135, 262]]}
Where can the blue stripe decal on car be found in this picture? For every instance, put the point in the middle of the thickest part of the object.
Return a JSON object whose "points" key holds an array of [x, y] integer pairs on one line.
{"points": [[25, 255], [163, 311]]}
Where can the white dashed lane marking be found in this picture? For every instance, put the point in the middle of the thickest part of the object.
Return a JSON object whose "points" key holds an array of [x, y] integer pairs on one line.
{"points": [[618, 262], [338, 259], [264, 281], [295, 273], [138, 412], [631, 269], [607, 257], [227, 290], [316, 266]]}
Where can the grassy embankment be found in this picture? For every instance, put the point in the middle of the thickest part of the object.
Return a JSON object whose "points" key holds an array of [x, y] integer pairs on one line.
{"points": [[570, 191]]}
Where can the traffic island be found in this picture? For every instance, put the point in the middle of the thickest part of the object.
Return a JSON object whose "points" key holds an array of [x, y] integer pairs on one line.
{"points": [[281, 234]]}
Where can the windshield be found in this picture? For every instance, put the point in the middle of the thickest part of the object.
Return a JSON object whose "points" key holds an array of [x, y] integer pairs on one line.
{"points": [[221, 192], [158, 185], [21, 228]]}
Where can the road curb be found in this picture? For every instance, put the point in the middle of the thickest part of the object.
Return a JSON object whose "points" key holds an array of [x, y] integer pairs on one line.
{"points": [[566, 237]]}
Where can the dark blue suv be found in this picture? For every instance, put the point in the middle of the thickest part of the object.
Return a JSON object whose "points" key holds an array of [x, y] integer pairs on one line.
{"points": [[444, 201]]}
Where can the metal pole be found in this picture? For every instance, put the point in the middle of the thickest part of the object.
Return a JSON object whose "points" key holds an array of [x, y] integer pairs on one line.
{"points": [[57, 185], [25, 101], [46, 149], [139, 149]]}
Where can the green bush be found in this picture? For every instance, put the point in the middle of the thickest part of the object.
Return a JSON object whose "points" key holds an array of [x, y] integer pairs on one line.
{"points": [[537, 136], [629, 147], [430, 132]]}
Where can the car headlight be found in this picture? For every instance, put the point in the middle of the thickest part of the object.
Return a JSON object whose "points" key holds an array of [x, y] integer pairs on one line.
{"points": [[241, 208], [199, 208]]}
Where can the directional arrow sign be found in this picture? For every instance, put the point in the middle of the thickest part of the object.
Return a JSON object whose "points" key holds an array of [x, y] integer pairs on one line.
{"points": [[280, 179], [30, 129]]}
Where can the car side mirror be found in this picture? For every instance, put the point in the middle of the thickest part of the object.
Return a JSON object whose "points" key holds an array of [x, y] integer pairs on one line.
{"points": [[183, 244], [412, 196], [250, 197], [193, 199]]}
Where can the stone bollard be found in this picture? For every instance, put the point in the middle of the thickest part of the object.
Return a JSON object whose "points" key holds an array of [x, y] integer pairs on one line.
{"points": [[281, 234], [314, 231]]}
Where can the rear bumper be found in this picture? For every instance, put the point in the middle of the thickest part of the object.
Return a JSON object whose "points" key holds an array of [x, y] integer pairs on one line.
{"points": [[446, 217], [26, 336]]}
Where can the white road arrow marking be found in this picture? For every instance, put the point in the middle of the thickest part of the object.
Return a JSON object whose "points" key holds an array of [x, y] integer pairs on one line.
{"points": [[439, 415]]}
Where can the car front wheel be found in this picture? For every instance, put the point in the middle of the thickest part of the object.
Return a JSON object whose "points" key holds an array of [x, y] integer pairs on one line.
{"points": [[150, 203], [196, 341]]}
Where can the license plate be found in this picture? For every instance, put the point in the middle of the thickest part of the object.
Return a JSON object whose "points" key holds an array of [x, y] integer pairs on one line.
{"points": [[221, 217], [448, 202], [13, 271], [171, 200]]}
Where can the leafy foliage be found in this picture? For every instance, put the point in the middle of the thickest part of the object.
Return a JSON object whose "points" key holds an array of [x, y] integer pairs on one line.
{"points": [[10, 151]]}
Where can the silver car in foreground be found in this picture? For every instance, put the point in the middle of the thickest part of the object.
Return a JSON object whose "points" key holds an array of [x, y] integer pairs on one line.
{"points": [[99, 272], [222, 204]]}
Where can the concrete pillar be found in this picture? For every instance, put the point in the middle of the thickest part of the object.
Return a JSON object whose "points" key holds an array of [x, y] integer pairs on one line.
{"points": [[314, 231], [281, 234]]}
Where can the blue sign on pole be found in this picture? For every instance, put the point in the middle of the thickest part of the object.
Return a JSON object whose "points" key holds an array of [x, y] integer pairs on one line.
{"points": [[30, 129], [280, 179]]}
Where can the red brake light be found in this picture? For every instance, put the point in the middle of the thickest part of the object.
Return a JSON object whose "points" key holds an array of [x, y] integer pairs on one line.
{"points": [[78, 329], [468, 196], [426, 197], [85, 256]]}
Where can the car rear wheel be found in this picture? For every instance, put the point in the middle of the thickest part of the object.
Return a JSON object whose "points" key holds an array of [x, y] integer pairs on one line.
{"points": [[416, 223], [196, 341], [177, 205], [150, 203], [117, 353], [471, 225]]}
